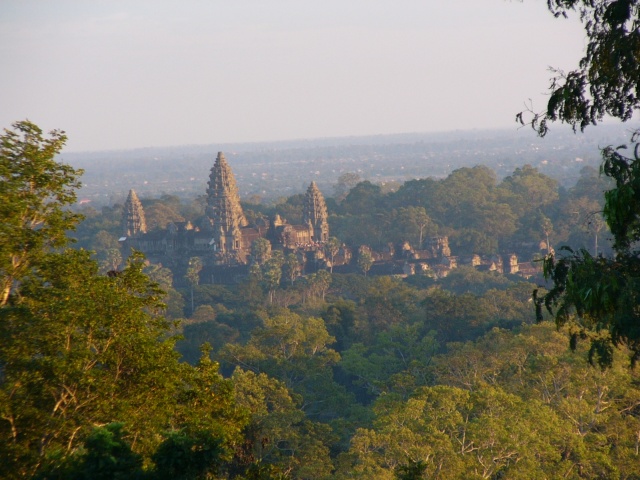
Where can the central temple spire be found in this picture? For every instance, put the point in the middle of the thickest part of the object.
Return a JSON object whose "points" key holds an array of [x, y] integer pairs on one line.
{"points": [[315, 213], [133, 220], [224, 210]]}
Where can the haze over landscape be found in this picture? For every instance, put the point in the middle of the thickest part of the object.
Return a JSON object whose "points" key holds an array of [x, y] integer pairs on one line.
{"points": [[307, 240], [120, 75]]}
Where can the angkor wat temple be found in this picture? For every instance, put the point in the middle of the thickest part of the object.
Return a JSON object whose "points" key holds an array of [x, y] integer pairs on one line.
{"points": [[223, 240], [223, 237]]}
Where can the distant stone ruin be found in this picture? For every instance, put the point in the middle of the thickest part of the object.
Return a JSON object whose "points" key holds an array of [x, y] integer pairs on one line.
{"points": [[227, 225], [224, 237], [133, 221]]}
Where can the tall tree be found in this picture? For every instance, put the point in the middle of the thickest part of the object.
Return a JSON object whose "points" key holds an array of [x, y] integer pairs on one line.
{"points": [[321, 282], [159, 274], [279, 434], [599, 296], [365, 260], [547, 229], [272, 272], [453, 433], [346, 182], [291, 267], [35, 190], [260, 251], [193, 276], [411, 224], [365, 197], [332, 247], [527, 190], [80, 349], [111, 259], [295, 350]]}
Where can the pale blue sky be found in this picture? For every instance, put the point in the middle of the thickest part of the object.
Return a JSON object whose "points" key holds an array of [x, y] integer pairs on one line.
{"points": [[127, 74]]}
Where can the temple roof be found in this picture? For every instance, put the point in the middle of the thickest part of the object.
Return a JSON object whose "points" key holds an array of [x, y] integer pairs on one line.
{"points": [[133, 219], [223, 200], [315, 207]]}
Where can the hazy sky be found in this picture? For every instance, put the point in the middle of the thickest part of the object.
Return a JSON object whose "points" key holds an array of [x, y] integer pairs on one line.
{"points": [[126, 74]]}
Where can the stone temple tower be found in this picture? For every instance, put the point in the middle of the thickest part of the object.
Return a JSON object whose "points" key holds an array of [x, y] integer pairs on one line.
{"points": [[315, 213], [133, 221], [224, 210]]}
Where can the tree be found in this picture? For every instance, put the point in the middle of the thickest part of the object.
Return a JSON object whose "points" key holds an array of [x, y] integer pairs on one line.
{"points": [[527, 190], [111, 260], [547, 229], [104, 240], [321, 282], [599, 295], [295, 350], [412, 471], [346, 182], [261, 250], [396, 361], [367, 228], [595, 225], [365, 197], [463, 194], [106, 455], [35, 191], [469, 199], [279, 434], [332, 247], [159, 274], [596, 295], [467, 279], [456, 318], [340, 318], [365, 260], [291, 267], [205, 427], [193, 276], [184, 456], [162, 212], [606, 79], [80, 349], [291, 208], [272, 272], [410, 223], [470, 241], [202, 328], [454, 433], [387, 301], [535, 363], [417, 193]]}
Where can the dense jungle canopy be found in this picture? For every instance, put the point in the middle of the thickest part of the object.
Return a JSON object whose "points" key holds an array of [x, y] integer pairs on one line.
{"points": [[139, 374]]}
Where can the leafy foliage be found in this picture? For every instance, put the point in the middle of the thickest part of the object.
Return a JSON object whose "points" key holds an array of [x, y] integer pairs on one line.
{"points": [[106, 455], [606, 79], [35, 189], [600, 295], [80, 349]]}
